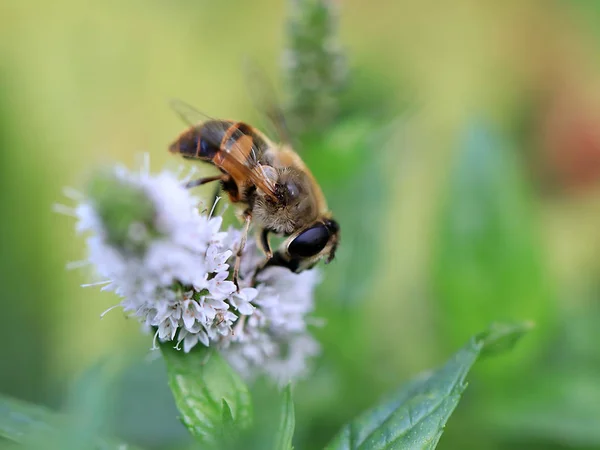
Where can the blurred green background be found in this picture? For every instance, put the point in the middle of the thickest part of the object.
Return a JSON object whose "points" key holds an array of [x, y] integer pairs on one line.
{"points": [[464, 168]]}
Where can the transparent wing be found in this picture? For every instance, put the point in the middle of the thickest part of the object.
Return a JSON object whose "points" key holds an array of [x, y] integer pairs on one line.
{"points": [[188, 113], [265, 100], [254, 171]]}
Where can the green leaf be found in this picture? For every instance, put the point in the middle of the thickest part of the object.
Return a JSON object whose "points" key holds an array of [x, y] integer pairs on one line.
{"points": [[20, 419], [208, 393], [501, 337], [285, 433], [229, 433], [227, 418], [415, 416], [38, 427]]}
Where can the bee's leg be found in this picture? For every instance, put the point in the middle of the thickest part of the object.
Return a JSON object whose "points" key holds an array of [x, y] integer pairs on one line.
{"points": [[277, 259], [201, 181], [265, 246], [264, 243], [238, 256]]}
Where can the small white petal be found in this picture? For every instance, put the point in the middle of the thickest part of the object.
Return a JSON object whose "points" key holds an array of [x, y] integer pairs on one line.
{"points": [[203, 338], [248, 294], [245, 308], [191, 310], [167, 330], [190, 342]]}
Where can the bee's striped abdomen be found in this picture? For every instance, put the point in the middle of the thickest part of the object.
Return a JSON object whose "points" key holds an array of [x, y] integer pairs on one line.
{"points": [[202, 141], [235, 148]]}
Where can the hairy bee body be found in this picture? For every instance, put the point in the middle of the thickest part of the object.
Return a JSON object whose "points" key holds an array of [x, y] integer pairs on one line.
{"points": [[271, 184]]}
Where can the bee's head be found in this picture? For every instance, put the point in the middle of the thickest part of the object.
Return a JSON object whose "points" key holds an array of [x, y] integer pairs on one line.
{"points": [[305, 249], [315, 242]]}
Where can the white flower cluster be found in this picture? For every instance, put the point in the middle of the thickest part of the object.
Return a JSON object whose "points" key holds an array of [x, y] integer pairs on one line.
{"points": [[180, 284], [274, 337]]}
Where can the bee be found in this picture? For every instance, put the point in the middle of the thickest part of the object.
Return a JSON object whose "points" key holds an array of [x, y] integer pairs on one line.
{"points": [[271, 185]]}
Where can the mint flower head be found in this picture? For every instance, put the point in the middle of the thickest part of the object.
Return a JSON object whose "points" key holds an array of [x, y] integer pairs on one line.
{"points": [[164, 253]]}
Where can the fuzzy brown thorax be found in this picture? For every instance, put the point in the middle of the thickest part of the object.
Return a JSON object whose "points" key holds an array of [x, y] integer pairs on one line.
{"points": [[294, 208]]}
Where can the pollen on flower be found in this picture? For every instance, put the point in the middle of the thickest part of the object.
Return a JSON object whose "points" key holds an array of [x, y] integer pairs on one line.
{"points": [[166, 256]]}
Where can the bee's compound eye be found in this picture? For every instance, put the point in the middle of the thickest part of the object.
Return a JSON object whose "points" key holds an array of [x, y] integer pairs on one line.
{"points": [[310, 242], [287, 192], [292, 190]]}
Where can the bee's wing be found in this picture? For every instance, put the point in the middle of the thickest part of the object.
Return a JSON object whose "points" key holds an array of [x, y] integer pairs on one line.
{"points": [[239, 159], [265, 100], [188, 113]]}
